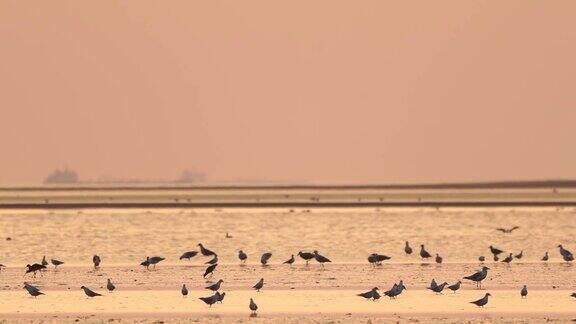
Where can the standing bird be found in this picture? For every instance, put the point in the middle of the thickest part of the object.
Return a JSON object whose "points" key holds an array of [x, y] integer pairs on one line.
{"points": [[508, 259], [216, 286], [253, 307], [496, 251], [96, 260], [205, 251], [377, 259], [184, 290], [214, 260], [566, 255], [320, 258], [524, 292], [438, 289], [152, 261], [228, 235], [479, 276], [545, 257], [110, 286], [188, 255], [438, 258], [259, 284], [307, 256], [210, 270], [242, 256], [33, 291], [482, 301], [89, 292], [34, 268], [265, 257], [481, 258], [423, 253], [369, 294], [407, 248], [573, 295], [56, 263], [495, 258], [210, 300], [221, 297], [455, 286], [519, 255], [289, 261]]}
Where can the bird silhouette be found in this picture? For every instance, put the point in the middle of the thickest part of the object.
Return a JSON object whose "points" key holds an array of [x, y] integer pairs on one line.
{"points": [[479, 276], [307, 256], [369, 294], [89, 292], [96, 260], [259, 284], [210, 270], [482, 301], [455, 286], [438, 258], [320, 258], [289, 261], [242, 256], [253, 307], [545, 257], [508, 259], [205, 251], [423, 253], [188, 255], [216, 286], [407, 248], [524, 292], [566, 255], [110, 286], [519, 255], [34, 268], [56, 263], [265, 257], [184, 290]]}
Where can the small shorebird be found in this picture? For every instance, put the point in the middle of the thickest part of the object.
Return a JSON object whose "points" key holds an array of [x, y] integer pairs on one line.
{"points": [[265, 257], [188, 255], [508, 259], [320, 258], [242, 256], [96, 260], [407, 248], [519, 255], [289, 261], [438, 289], [482, 301], [433, 284], [545, 257], [34, 268], [455, 286], [56, 263], [259, 284], [479, 276], [110, 286], [89, 292], [566, 255], [152, 261], [33, 291], [369, 294], [253, 307], [210, 270], [307, 256], [210, 300], [184, 290], [216, 286], [524, 292], [507, 230], [228, 235], [376, 259], [423, 253], [481, 258], [495, 250], [205, 251], [573, 295], [221, 297], [438, 258]]}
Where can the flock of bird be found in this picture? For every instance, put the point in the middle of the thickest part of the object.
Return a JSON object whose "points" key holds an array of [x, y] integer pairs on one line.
{"points": [[374, 259]]}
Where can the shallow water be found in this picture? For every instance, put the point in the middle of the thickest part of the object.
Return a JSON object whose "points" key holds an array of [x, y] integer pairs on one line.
{"points": [[344, 235]]}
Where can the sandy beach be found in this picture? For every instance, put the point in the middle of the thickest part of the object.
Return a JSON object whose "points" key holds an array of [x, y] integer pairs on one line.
{"points": [[298, 293]]}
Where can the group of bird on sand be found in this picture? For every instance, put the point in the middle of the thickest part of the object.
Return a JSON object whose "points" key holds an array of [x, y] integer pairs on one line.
{"points": [[153, 261], [374, 259]]}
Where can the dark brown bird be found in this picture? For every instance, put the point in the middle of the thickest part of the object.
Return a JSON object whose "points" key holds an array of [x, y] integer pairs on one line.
{"points": [[508, 259], [423, 253], [307, 256], [259, 284], [407, 248], [495, 251], [289, 261], [253, 307], [184, 290], [242, 256], [519, 255], [320, 258], [216, 286], [34, 268], [56, 263], [210, 270], [96, 260], [545, 257], [205, 251], [89, 292], [524, 292], [188, 255], [210, 300], [265, 257], [482, 301]]}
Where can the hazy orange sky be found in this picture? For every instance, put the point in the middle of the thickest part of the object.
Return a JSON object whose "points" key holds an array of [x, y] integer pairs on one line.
{"points": [[317, 91]]}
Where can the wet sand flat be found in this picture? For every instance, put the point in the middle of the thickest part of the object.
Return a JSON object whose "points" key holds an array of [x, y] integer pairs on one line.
{"points": [[124, 237]]}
